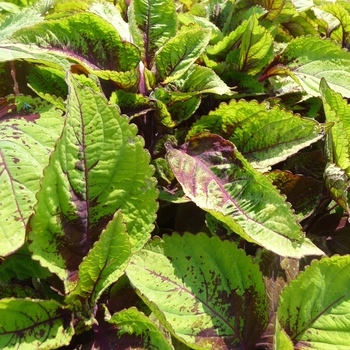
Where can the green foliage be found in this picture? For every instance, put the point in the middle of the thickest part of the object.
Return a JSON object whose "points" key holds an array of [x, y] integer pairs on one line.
{"points": [[168, 171]]}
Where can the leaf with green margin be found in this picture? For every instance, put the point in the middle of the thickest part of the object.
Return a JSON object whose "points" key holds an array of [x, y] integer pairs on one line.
{"points": [[274, 7], [111, 15], [337, 111], [217, 178], [265, 136], [230, 42], [204, 80], [33, 53], [281, 339], [105, 262], [152, 23], [180, 105], [311, 58], [188, 19], [314, 308], [180, 52], [99, 166], [14, 22], [26, 141], [256, 49], [343, 16], [210, 297], [135, 105], [93, 39], [34, 324], [132, 321], [49, 84], [337, 183]]}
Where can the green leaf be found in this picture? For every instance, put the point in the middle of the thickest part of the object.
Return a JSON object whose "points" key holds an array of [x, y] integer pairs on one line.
{"points": [[135, 105], [49, 84], [188, 19], [152, 24], [310, 59], [20, 265], [343, 16], [99, 166], [180, 52], [111, 15], [256, 48], [19, 20], [337, 183], [180, 105], [105, 262], [264, 135], [34, 324], [281, 339], [211, 297], [229, 43], [337, 111], [10, 52], [92, 38], [204, 80], [216, 177], [26, 141], [313, 310], [132, 321]]}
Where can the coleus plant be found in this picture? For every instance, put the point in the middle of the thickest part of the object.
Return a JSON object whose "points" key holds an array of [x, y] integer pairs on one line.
{"points": [[145, 204]]}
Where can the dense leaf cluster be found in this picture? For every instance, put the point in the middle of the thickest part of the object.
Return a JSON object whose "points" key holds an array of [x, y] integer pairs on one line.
{"points": [[174, 175]]}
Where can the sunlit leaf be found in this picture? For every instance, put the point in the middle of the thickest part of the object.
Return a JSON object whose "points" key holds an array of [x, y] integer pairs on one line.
{"points": [[98, 167], [337, 111], [105, 262], [132, 321], [264, 135], [27, 138], [180, 52], [314, 309], [34, 324], [215, 176], [152, 23], [211, 297]]}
